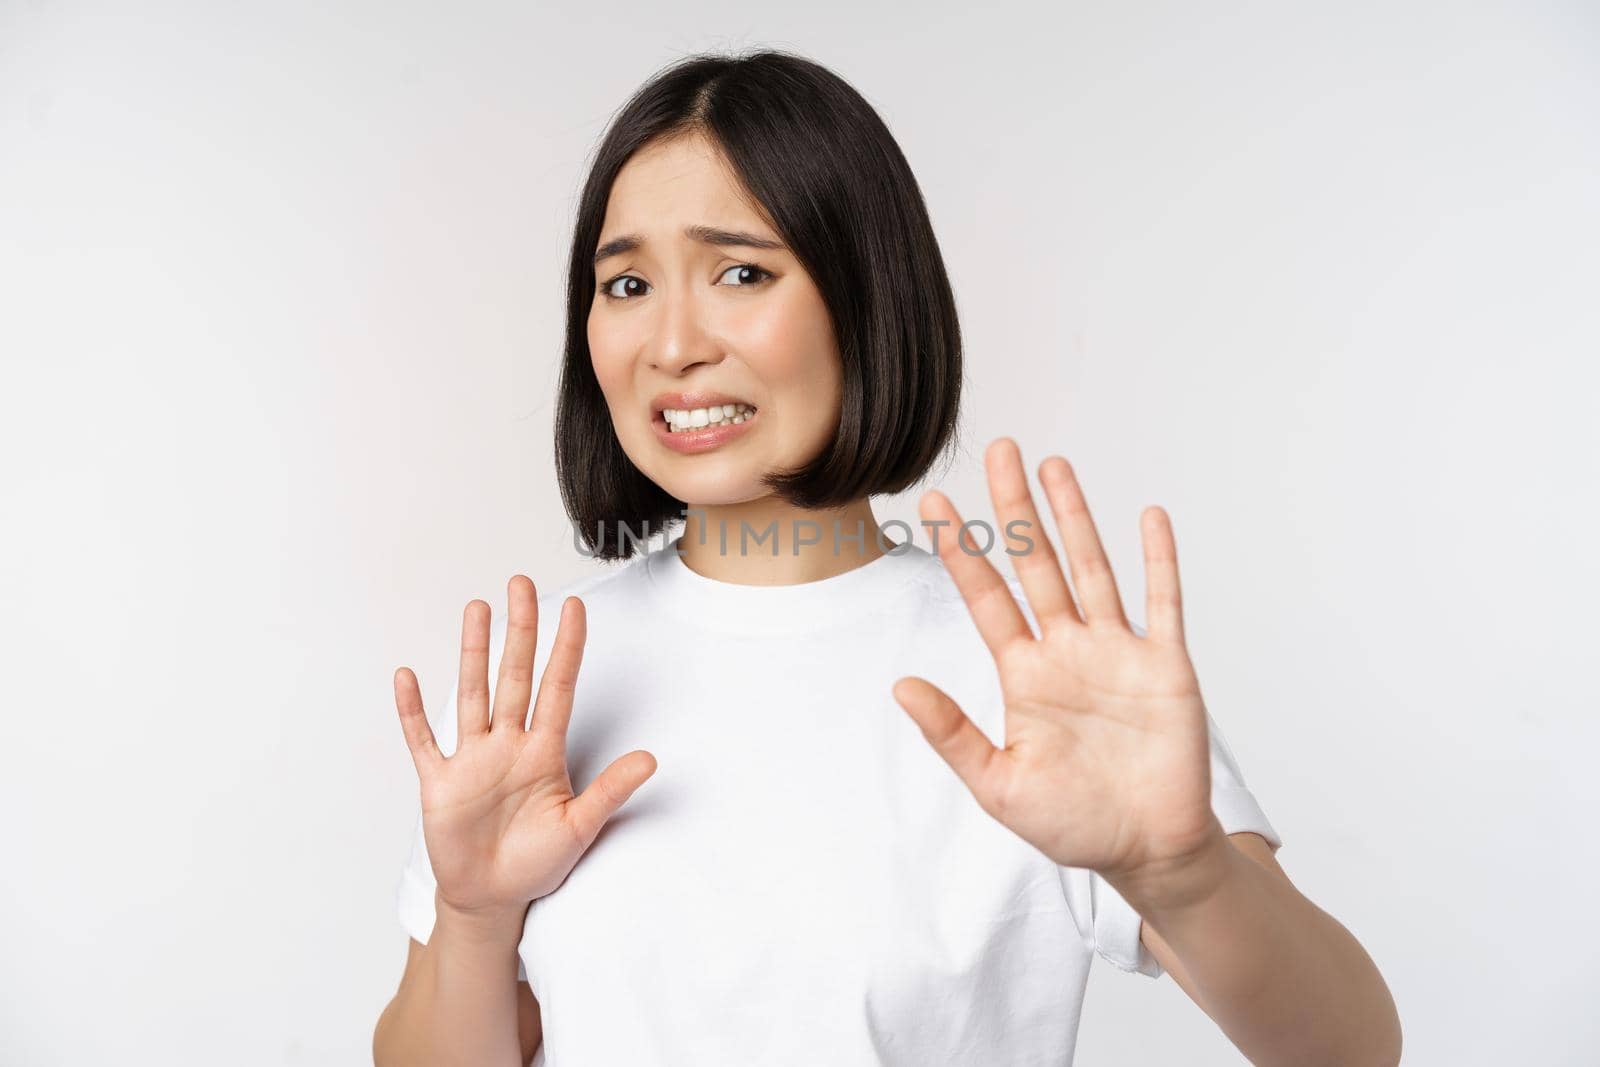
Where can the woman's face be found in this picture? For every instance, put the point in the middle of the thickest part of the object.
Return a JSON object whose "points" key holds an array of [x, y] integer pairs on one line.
{"points": [[682, 313]]}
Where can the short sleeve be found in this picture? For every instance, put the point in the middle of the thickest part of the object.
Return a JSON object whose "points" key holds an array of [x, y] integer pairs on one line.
{"points": [[1108, 923], [414, 895]]}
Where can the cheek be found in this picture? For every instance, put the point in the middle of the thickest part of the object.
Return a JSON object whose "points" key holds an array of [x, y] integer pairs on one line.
{"points": [[789, 339], [605, 344]]}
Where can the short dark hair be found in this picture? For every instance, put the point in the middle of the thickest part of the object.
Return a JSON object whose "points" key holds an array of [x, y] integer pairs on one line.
{"points": [[836, 187]]}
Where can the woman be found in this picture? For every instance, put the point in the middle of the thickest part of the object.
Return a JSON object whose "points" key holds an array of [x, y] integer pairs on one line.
{"points": [[892, 814]]}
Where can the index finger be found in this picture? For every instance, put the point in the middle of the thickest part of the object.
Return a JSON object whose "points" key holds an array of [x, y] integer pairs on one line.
{"points": [[988, 597], [1038, 568]]}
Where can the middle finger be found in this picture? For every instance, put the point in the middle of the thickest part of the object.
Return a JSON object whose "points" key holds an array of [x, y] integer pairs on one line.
{"points": [[515, 684]]}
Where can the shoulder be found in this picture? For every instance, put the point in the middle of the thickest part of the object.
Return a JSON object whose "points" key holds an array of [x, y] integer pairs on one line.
{"points": [[607, 584], [608, 580]]}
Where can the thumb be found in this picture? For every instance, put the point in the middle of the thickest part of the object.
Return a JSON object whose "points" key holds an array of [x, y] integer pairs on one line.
{"points": [[953, 736], [610, 789]]}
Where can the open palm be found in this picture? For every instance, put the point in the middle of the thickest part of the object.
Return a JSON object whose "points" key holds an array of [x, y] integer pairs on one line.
{"points": [[1106, 762], [499, 816]]}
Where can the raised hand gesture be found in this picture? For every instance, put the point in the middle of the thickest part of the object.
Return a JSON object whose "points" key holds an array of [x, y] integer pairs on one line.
{"points": [[499, 816], [1106, 760]]}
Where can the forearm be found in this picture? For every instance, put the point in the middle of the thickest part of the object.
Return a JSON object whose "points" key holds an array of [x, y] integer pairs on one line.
{"points": [[1283, 979], [460, 1007]]}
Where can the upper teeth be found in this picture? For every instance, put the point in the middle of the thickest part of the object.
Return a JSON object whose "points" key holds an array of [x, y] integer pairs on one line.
{"points": [[696, 417]]}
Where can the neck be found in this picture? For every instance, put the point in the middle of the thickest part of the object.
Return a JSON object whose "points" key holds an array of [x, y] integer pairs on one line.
{"points": [[769, 542]]}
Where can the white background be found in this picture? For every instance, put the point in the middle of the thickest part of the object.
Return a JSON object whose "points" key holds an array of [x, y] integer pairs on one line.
{"points": [[281, 311]]}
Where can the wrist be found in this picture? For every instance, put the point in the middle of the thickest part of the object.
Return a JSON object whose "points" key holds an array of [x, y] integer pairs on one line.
{"points": [[488, 925], [1179, 882]]}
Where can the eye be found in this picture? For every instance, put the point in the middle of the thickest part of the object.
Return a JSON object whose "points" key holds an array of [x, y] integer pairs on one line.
{"points": [[757, 276], [765, 275], [607, 287]]}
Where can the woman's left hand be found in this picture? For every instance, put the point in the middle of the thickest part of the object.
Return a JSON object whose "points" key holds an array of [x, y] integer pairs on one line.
{"points": [[1106, 763]]}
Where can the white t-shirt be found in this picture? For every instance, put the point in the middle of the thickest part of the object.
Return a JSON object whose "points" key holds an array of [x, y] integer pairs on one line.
{"points": [[802, 880]]}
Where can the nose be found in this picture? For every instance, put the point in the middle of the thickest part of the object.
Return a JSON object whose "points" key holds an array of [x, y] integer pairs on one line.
{"points": [[678, 338]]}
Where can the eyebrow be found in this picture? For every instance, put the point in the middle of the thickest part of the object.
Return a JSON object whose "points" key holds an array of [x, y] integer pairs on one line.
{"points": [[710, 235]]}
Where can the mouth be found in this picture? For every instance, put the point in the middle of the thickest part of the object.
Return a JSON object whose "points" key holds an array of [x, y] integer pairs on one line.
{"points": [[681, 421], [675, 429]]}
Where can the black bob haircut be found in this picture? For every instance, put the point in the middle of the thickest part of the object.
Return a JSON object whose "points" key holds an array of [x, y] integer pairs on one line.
{"points": [[837, 189]]}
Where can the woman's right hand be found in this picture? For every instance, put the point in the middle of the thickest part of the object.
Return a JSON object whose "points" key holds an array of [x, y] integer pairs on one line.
{"points": [[499, 816]]}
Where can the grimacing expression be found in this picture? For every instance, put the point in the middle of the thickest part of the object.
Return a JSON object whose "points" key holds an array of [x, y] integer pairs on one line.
{"points": [[679, 312]]}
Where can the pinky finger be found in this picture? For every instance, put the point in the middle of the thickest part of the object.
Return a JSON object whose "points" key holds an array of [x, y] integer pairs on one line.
{"points": [[420, 741]]}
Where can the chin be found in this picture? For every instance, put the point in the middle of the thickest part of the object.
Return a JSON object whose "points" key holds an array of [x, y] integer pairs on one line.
{"points": [[698, 495]]}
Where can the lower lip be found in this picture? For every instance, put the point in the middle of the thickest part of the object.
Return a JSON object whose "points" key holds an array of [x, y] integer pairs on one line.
{"points": [[705, 438]]}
